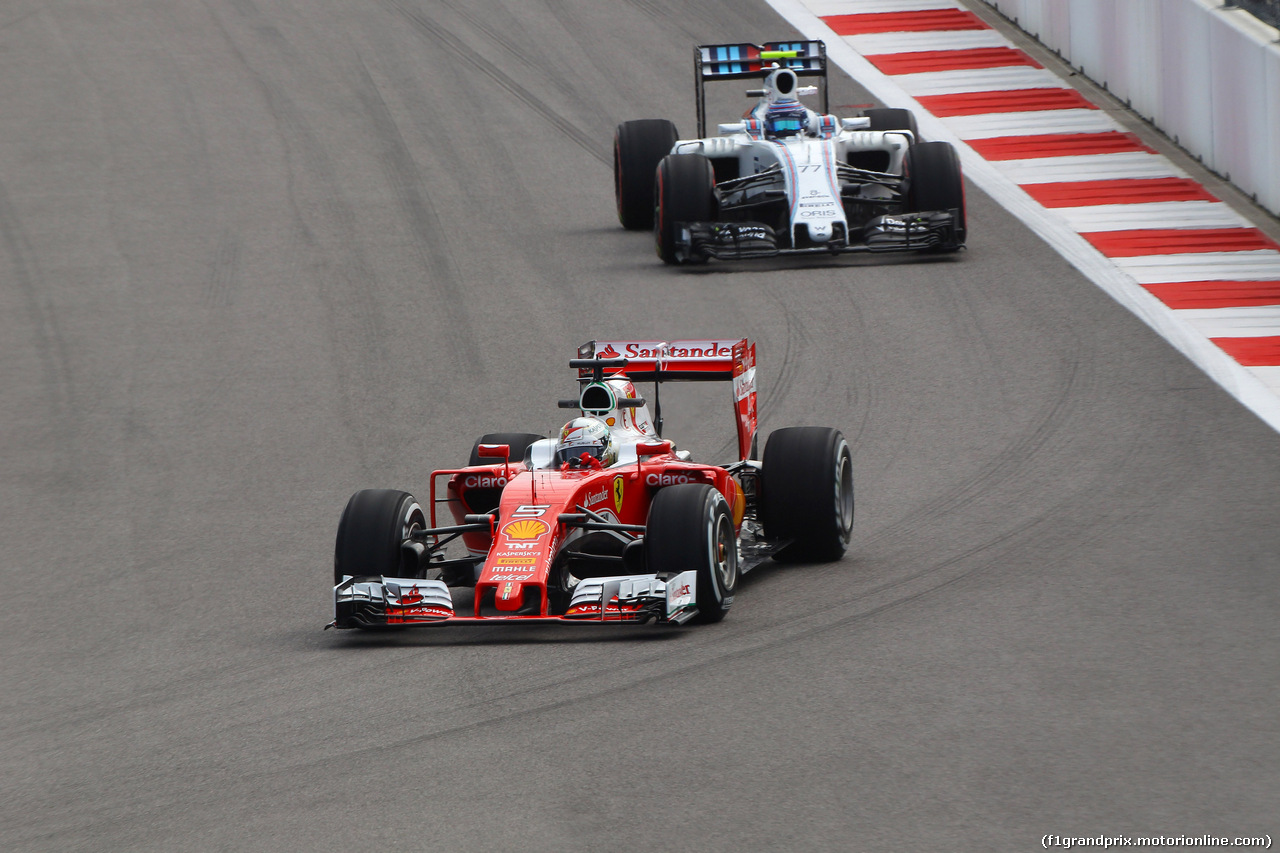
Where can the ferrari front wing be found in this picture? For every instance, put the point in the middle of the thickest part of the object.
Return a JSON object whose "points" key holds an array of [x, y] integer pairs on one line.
{"points": [[367, 602]]}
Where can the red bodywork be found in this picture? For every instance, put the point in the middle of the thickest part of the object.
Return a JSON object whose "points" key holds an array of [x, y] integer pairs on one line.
{"points": [[528, 536]]}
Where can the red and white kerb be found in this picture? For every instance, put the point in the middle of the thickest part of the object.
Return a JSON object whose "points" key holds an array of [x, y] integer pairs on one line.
{"points": [[1194, 253]]}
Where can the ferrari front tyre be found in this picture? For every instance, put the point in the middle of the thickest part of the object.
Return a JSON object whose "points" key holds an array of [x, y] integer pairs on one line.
{"points": [[933, 169], [690, 527], [637, 148], [374, 525], [518, 442], [685, 192], [883, 118], [807, 492]]}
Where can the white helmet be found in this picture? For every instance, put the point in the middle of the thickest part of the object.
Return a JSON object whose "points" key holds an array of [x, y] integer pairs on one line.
{"points": [[585, 437]]}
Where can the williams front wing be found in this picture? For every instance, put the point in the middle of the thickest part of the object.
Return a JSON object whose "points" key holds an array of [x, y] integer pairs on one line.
{"points": [[901, 232]]}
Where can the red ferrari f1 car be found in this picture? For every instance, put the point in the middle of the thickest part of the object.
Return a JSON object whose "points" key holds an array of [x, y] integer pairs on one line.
{"points": [[607, 524]]}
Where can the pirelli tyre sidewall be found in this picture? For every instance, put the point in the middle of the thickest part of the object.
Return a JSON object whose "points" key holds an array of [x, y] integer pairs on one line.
{"points": [[684, 192], [807, 492], [374, 525], [637, 148], [691, 527]]}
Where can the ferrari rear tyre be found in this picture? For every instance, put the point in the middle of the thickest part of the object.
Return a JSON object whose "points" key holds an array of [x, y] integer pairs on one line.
{"points": [[685, 192], [893, 119], [933, 169], [484, 499], [518, 441], [374, 525], [637, 148], [690, 527], [807, 492]]}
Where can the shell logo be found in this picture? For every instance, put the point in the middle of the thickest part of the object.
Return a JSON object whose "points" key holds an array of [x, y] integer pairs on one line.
{"points": [[525, 529]]}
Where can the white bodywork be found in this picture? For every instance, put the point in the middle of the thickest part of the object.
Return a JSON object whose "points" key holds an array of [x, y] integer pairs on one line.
{"points": [[807, 162]]}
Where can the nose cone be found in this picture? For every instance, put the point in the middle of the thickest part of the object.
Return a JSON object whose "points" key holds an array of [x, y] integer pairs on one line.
{"points": [[820, 232]]}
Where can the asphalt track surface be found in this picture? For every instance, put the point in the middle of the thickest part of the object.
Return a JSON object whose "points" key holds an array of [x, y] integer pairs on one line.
{"points": [[256, 254]]}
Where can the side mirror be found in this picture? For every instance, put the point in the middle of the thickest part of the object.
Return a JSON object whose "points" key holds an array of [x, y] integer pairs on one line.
{"points": [[652, 448], [497, 451]]}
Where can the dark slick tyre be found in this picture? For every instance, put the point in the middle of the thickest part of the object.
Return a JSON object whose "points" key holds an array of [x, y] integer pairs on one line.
{"points": [[807, 484], [933, 169], [486, 498], [883, 118], [690, 527], [518, 441], [373, 526], [638, 146], [685, 192]]}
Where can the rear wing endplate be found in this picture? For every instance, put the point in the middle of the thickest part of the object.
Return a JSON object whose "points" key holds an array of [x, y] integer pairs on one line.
{"points": [[689, 361], [747, 61]]}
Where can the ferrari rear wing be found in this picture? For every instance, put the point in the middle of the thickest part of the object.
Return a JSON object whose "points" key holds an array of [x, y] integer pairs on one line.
{"points": [[687, 361], [747, 61]]}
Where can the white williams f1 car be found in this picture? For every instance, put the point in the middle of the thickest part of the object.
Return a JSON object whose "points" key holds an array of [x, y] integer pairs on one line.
{"points": [[785, 178]]}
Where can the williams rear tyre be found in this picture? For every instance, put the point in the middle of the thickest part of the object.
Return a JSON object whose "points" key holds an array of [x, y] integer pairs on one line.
{"points": [[690, 527], [518, 441], [374, 525], [933, 169], [807, 492], [685, 192], [638, 146], [893, 119]]}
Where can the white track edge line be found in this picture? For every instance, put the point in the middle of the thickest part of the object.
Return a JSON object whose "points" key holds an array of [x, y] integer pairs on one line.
{"points": [[1232, 376]]}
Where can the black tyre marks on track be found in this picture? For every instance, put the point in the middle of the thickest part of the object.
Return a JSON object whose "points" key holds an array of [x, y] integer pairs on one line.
{"points": [[424, 219], [597, 147]]}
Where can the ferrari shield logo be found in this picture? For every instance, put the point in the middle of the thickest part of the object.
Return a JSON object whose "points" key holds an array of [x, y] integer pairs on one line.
{"points": [[617, 494]]}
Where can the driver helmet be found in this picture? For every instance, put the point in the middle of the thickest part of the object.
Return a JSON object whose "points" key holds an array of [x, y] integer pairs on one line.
{"points": [[786, 119], [587, 436]]}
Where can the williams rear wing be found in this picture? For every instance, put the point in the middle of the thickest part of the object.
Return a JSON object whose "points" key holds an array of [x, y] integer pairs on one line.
{"points": [[687, 361], [748, 61]]}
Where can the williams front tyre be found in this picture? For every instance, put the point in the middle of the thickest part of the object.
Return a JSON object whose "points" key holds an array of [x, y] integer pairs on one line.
{"points": [[933, 169], [685, 192]]}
